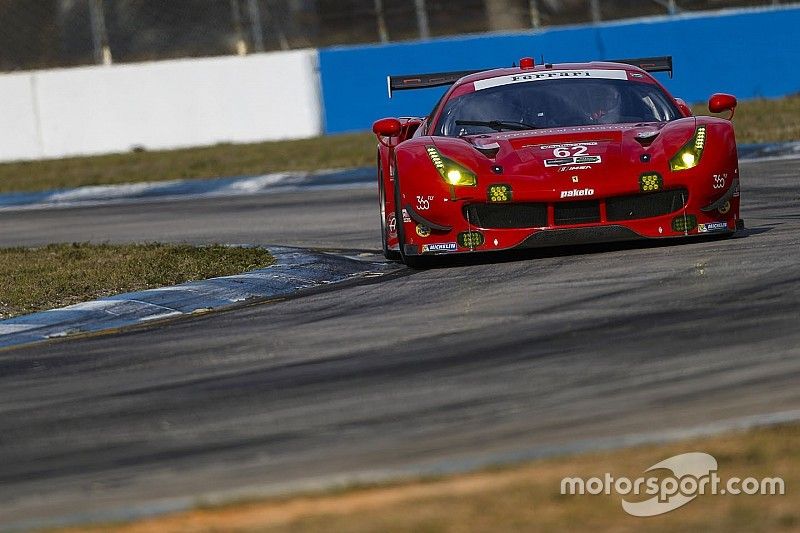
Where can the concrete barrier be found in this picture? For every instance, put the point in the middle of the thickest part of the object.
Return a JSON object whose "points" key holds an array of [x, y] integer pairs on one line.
{"points": [[20, 135], [750, 53], [161, 105]]}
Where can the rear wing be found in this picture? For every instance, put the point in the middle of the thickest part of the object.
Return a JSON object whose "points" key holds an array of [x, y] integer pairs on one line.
{"points": [[648, 64], [423, 81], [441, 79]]}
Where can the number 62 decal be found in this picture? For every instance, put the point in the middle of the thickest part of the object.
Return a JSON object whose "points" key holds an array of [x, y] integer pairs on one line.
{"points": [[570, 151]]}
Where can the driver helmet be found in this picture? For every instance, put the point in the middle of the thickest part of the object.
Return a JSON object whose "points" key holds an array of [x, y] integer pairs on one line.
{"points": [[606, 104]]}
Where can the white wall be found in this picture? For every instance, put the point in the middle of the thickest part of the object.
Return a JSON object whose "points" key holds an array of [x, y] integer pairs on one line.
{"points": [[19, 124], [160, 105]]}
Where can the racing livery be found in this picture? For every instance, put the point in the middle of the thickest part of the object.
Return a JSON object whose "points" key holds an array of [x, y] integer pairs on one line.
{"points": [[553, 154]]}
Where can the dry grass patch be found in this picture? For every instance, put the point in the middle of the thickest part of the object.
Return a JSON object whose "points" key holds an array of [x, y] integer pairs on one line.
{"points": [[35, 279], [762, 121], [525, 498]]}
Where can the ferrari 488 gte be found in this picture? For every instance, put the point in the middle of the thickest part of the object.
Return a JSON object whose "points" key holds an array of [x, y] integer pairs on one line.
{"points": [[542, 155]]}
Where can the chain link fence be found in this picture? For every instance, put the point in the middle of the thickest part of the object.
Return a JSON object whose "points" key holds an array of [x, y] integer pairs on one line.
{"points": [[61, 33]]}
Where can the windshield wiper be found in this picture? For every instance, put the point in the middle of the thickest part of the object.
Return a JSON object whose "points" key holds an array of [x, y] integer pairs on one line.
{"points": [[498, 125]]}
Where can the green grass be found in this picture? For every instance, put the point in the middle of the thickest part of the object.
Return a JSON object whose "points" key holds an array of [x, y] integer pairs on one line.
{"points": [[756, 121], [335, 151], [56, 275]]}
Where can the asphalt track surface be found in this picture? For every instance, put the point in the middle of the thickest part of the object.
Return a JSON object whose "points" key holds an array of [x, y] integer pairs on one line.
{"points": [[490, 360]]}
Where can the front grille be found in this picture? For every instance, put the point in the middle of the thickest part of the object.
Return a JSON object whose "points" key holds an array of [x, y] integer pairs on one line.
{"points": [[584, 212], [534, 215], [505, 216], [645, 205]]}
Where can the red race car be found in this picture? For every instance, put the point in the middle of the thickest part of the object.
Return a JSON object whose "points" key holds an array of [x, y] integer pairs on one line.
{"points": [[542, 155]]}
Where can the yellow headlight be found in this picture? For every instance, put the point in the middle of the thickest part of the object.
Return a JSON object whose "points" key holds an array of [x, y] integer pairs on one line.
{"points": [[689, 154], [454, 176], [452, 172]]}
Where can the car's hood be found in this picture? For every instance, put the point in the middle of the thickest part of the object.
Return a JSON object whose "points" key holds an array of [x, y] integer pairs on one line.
{"points": [[585, 149]]}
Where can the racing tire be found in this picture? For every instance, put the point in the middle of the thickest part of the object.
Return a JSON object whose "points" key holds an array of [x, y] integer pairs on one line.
{"points": [[391, 255]]}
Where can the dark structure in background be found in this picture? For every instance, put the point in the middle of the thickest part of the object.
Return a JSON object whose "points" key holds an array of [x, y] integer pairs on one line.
{"points": [[62, 33]]}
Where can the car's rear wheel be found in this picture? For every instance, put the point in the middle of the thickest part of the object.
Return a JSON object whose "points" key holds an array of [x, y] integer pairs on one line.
{"points": [[392, 255]]}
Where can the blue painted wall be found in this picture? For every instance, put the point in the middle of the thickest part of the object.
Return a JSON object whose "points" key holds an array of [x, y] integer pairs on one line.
{"points": [[752, 53]]}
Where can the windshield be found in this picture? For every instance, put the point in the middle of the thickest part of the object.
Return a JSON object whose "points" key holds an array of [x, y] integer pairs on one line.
{"points": [[555, 103]]}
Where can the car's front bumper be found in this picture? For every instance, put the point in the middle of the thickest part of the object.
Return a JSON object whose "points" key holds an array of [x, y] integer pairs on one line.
{"points": [[695, 215]]}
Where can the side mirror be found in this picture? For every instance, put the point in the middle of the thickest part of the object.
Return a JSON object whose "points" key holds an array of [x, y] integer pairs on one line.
{"points": [[685, 109], [387, 127], [721, 102]]}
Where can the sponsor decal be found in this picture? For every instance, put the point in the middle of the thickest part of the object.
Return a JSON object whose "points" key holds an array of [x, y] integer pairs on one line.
{"points": [[440, 247], [568, 153], [736, 191], [574, 168], [424, 203], [712, 227], [583, 160], [577, 192], [423, 231], [545, 75], [719, 181], [725, 208], [567, 146], [392, 224], [406, 216]]}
